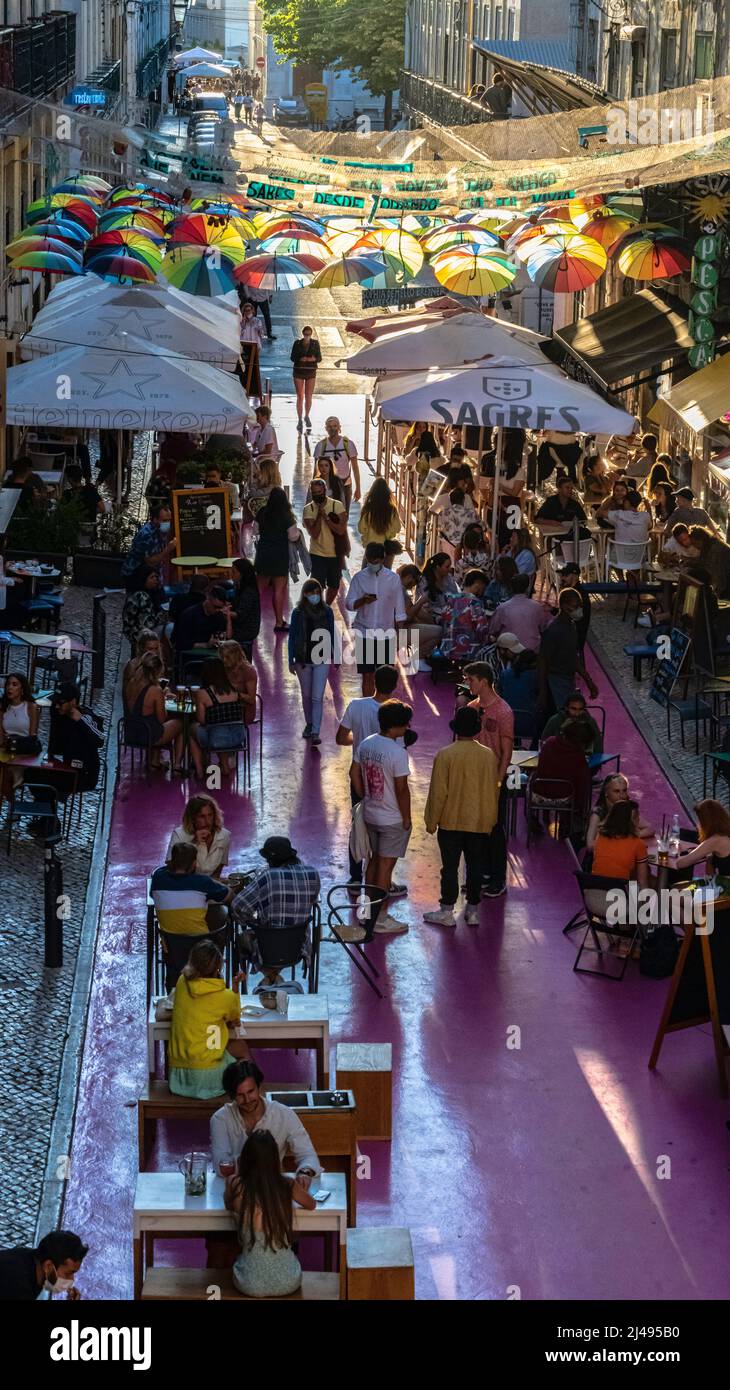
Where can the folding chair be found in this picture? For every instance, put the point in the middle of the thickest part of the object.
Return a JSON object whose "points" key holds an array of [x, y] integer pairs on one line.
{"points": [[336, 913], [23, 806], [579, 918], [594, 891], [587, 558]]}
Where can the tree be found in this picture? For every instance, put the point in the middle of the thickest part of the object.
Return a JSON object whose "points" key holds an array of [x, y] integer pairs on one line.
{"points": [[364, 36]]}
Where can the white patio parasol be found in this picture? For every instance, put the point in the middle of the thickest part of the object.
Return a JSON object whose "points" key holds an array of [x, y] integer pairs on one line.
{"points": [[196, 55], [206, 69], [450, 342]]}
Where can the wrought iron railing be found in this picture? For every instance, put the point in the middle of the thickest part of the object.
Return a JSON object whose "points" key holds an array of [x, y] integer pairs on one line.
{"points": [[423, 96], [38, 57]]}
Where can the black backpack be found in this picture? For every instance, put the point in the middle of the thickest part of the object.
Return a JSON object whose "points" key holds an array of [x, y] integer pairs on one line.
{"points": [[659, 951]]}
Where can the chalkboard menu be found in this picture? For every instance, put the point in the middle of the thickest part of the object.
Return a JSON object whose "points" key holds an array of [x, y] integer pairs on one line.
{"points": [[668, 670], [202, 522]]}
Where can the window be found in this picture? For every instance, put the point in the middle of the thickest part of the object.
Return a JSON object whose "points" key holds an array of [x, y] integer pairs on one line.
{"points": [[497, 21], [614, 59], [703, 56], [638, 65], [487, 22], [668, 59], [510, 24]]}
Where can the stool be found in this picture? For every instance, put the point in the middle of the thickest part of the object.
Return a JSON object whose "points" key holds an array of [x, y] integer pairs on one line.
{"points": [[366, 1069], [639, 651], [380, 1263]]}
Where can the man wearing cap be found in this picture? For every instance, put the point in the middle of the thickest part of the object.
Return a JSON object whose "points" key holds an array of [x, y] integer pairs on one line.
{"points": [[281, 895], [466, 623], [686, 513], [521, 616], [462, 807]]}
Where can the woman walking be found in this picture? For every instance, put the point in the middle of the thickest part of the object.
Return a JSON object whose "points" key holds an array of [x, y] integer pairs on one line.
{"points": [[306, 356], [272, 552], [379, 517], [311, 643]]}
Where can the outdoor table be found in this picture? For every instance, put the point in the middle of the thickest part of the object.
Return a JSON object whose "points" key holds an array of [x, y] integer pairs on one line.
{"points": [[49, 770], [36, 640], [305, 1026], [663, 870], [162, 1211], [599, 760], [23, 570], [196, 562], [600, 535], [187, 713]]}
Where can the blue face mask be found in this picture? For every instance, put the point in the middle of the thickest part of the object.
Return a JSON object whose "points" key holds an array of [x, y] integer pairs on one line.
{"points": [[313, 598]]}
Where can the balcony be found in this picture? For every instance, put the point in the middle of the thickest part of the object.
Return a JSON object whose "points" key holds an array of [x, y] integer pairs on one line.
{"points": [[38, 57], [442, 105], [151, 69]]}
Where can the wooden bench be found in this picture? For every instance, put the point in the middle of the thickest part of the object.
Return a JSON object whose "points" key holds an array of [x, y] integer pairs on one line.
{"points": [[333, 1132], [380, 1264], [212, 1285], [366, 1069]]}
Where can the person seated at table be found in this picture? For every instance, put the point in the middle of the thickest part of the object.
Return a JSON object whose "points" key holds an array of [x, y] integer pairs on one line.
{"points": [[677, 545], [660, 475], [617, 501], [563, 508], [520, 548], [645, 460], [522, 615], [146, 719], [499, 590], [614, 789], [436, 585], [193, 592], [686, 512], [456, 515], [631, 525], [245, 605], [219, 713], [201, 1049], [242, 676], [282, 895], [596, 484], [148, 644], [575, 708], [89, 500], [391, 549], [50, 1267], [19, 713], [518, 685], [202, 826], [20, 475], [266, 478], [713, 839], [150, 548], [143, 609], [472, 552], [75, 737], [262, 1198], [214, 478], [250, 1112], [202, 622], [182, 898], [714, 555], [619, 851], [465, 621], [420, 634], [563, 759], [419, 440], [379, 517], [662, 498]]}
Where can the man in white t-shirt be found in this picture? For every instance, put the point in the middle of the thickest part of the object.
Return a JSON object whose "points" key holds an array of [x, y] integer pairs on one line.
{"points": [[631, 527], [358, 722], [375, 596], [342, 453], [380, 773]]}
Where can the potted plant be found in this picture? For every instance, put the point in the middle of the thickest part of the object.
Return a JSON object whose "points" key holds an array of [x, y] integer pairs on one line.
{"points": [[191, 471], [100, 565], [49, 536]]}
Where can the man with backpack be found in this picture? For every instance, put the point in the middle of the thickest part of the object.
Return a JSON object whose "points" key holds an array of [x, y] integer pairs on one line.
{"points": [[342, 454]]}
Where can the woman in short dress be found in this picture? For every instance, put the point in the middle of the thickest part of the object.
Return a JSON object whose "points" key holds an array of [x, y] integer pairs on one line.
{"points": [[306, 356]]}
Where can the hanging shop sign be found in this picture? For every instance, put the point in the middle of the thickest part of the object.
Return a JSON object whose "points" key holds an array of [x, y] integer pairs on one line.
{"points": [[709, 202], [398, 298]]}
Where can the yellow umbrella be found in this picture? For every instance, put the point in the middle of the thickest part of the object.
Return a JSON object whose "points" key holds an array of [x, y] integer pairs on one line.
{"points": [[472, 271], [398, 247]]}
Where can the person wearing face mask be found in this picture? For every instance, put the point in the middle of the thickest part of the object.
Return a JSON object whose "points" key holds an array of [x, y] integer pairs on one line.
{"points": [[325, 520], [311, 643], [375, 596], [560, 662], [50, 1268], [150, 548], [306, 356]]}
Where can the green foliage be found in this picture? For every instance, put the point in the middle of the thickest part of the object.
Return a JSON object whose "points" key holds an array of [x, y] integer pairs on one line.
{"points": [[53, 531], [365, 36], [114, 532], [191, 471]]}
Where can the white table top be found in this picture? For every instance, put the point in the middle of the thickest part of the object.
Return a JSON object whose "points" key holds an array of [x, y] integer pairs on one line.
{"points": [[160, 1204], [523, 755], [307, 1013]]}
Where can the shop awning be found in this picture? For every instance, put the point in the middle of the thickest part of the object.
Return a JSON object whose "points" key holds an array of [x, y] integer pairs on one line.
{"points": [[537, 75], [699, 400], [633, 338]]}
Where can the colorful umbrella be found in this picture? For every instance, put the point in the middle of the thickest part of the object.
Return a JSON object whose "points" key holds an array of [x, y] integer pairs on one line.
{"points": [[231, 200], [134, 218], [120, 264], [342, 239], [135, 243], [457, 234], [50, 262], [551, 212], [655, 256], [347, 270], [469, 270], [523, 243], [84, 184], [412, 222], [30, 242], [266, 223], [294, 244], [61, 230], [75, 208], [639, 230], [139, 191], [604, 226], [564, 264], [201, 229], [627, 205], [402, 249], [273, 273], [200, 270]]}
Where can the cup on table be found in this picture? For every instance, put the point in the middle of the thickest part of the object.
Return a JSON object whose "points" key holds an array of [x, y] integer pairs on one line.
{"points": [[662, 849], [282, 1001], [226, 1170]]}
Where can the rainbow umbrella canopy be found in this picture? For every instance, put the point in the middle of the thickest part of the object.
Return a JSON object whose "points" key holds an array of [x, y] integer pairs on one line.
{"points": [[200, 270], [49, 262], [271, 273], [137, 218], [267, 223], [457, 234], [88, 185], [347, 270], [473, 271], [525, 242], [565, 264], [135, 243], [75, 209], [604, 226], [201, 230], [342, 239], [654, 256], [294, 244], [29, 241], [72, 233], [120, 264]]}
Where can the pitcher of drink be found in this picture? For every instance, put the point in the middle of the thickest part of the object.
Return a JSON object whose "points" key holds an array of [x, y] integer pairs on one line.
{"points": [[194, 1168]]}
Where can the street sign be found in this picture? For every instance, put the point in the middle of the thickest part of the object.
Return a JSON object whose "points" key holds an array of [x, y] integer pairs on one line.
{"points": [[260, 62], [85, 96]]}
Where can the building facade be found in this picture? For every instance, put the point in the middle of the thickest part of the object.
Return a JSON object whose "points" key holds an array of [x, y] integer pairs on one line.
{"points": [[636, 48], [233, 28]]}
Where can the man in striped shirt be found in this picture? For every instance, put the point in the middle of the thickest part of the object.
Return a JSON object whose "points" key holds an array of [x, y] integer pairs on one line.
{"points": [[181, 896]]}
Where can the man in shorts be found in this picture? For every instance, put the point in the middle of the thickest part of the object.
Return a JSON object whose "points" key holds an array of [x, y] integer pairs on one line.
{"points": [[380, 772], [342, 453], [375, 596], [325, 520]]}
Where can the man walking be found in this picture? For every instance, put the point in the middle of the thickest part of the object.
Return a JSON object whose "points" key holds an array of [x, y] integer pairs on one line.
{"points": [[380, 772], [358, 722], [325, 520], [560, 661], [342, 454], [462, 808], [498, 733], [375, 596]]}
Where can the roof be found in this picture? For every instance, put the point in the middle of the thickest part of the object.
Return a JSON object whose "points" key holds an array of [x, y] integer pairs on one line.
{"points": [[541, 85], [635, 336], [699, 400]]}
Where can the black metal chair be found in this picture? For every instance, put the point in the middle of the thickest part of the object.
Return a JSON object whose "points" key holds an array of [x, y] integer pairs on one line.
{"points": [[347, 934], [594, 891], [558, 804], [24, 806], [135, 736], [171, 951], [282, 948]]}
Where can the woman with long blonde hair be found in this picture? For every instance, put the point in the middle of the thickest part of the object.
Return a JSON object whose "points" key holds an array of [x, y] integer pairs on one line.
{"points": [[242, 676]]}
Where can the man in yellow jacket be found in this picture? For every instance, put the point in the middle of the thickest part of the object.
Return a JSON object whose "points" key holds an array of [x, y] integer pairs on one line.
{"points": [[462, 807]]}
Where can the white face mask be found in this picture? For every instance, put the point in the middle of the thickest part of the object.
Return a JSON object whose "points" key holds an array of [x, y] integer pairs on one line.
{"points": [[373, 569], [165, 527], [60, 1286]]}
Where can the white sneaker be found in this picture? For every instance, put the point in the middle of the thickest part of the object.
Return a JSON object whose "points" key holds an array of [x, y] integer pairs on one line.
{"points": [[389, 926], [397, 890], [444, 917], [472, 916]]}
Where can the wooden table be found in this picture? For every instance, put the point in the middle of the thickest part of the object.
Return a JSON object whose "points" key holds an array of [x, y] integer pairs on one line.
{"points": [[161, 1210], [38, 762], [305, 1026], [35, 641]]}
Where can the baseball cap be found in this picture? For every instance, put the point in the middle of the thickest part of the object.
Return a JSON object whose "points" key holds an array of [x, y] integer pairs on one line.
{"points": [[64, 692], [510, 643], [686, 493]]}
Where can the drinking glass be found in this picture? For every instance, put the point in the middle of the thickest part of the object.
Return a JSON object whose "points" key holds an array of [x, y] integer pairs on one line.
{"points": [[194, 1168]]}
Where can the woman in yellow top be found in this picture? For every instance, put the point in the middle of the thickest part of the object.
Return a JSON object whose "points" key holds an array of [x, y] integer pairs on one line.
{"points": [[379, 517], [200, 1049]]}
